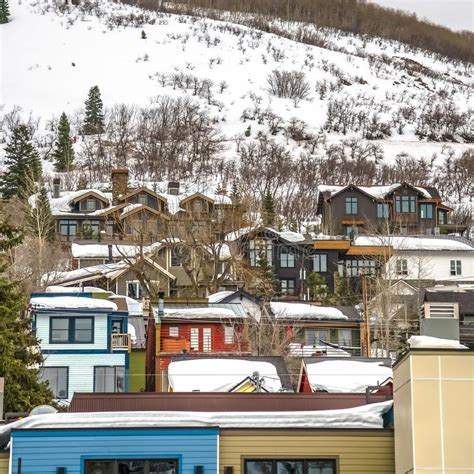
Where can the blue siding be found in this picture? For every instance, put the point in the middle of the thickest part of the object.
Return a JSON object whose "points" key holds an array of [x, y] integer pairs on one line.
{"points": [[44, 451]]}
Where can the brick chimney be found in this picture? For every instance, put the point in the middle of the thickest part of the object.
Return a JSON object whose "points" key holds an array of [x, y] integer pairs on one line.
{"points": [[56, 187], [119, 183]]}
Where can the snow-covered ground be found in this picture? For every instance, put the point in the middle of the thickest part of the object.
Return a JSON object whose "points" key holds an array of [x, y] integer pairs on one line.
{"points": [[51, 58]]}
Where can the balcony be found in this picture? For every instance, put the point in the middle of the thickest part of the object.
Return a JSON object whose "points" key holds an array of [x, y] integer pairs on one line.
{"points": [[121, 342]]}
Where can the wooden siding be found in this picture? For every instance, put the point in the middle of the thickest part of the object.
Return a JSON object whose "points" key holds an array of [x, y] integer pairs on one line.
{"points": [[44, 451], [136, 372], [81, 368], [100, 333], [364, 452], [217, 336], [4, 463]]}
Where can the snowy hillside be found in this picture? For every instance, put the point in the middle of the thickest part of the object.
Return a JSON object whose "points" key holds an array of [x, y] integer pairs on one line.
{"points": [[52, 56]]}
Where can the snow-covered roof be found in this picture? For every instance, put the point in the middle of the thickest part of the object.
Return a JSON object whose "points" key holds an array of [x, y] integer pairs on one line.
{"points": [[102, 250], [62, 204], [219, 296], [366, 416], [401, 242], [428, 342], [74, 289], [346, 376], [134, 307], [107, 270], [305, 311], [377, 192], [219, 375], [200, 313], [71, 302], [133, 333]]}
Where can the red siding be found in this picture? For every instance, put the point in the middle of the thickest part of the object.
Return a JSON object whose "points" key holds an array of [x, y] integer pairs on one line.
{"points": [[217, 336]]}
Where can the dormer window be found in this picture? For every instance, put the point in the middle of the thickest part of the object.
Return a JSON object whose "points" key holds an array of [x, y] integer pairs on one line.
{"points": [[143, 199], [197, 205], [88, 205]]}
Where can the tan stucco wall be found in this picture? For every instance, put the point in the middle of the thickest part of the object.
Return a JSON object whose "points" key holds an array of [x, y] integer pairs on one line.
{"points": [[368, 451], [434, 411]]}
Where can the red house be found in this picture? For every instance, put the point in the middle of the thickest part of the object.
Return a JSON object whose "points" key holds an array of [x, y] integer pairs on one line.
{"points": [[199, 329]]}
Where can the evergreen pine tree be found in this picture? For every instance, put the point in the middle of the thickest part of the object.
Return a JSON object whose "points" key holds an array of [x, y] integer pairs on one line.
{"points": [[94, 121], [23, 163], [4, 11], [19, 361], [268, 210], [63, 153]]}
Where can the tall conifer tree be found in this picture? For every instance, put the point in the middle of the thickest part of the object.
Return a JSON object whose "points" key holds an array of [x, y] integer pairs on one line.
{"points": [[94, 121], [63, 153], [23, 163], [4, 11], [19, 361], [268, 210]]}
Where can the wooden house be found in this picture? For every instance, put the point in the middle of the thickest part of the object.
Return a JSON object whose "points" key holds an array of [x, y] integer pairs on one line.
{"points": [[84, 341]]}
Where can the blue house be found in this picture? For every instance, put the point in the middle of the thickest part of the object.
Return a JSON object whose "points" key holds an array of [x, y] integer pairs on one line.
{"points": [[84, 342]]}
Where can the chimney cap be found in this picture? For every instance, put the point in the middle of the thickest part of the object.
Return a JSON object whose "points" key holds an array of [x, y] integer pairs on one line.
{"points": [[120, 171], [56, 180]]}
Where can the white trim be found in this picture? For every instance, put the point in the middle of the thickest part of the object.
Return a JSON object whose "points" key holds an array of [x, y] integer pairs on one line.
{"points": [[412, 416], [441, 421]]}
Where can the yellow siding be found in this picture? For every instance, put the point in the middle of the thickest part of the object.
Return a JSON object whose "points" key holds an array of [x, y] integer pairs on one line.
{"points": [[3, 464], [356, 452]]}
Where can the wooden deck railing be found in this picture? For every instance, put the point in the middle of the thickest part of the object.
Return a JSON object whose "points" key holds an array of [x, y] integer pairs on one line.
{"points": [[121, 341]]}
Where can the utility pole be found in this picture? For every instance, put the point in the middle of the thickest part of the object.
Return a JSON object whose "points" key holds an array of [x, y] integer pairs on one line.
{"points": [[365, 298]]}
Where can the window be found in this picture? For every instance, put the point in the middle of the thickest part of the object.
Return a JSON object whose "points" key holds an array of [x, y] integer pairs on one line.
{"points": [[313, 337], [455, 267], [228, 334], [441, 218], [173, 331], [405, 204], [175, 259], [134, 290], [426, 211], [351, 230], [137, 466], [90, 228], [345, 337], [206, 340], [402, 266], [351, 205], [355, 268], [68, 229], [296, 466], [320, 263], [109, 379], [260, 249], [382, 210], [194, 339], [197, 205], [71, 330], [57, 378], [287, 287], [143, 199], [287, 259]]}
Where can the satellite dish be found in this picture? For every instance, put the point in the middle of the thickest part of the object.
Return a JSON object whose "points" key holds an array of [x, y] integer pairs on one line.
{"points": [[43, 410]]}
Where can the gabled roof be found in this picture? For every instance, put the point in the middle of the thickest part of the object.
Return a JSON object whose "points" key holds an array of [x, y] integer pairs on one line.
{"points": [[142, 189], [286, 236], [131, 209], [90, 192], [464, 298]]}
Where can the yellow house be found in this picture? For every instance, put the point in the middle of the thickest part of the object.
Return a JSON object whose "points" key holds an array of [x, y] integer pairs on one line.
{"points": [[4, 457], [434, 412], [363, 451]]}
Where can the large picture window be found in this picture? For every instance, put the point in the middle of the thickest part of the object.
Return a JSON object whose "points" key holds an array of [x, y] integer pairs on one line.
{"points": [[109, 379], [57, 378], [290, 466], [426, 211], [320, 263], [405, 204], [68, 229], [65, 330], [259, 250], [137, 466], [287, 258]]}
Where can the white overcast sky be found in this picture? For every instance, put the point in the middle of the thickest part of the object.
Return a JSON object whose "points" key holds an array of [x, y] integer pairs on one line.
{"points": [[455, 14]]}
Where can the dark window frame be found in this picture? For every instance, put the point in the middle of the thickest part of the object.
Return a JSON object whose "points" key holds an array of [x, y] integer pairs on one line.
{"points": [[67, 380], [304, 460], [285, 260], [288, 291], [383, 210], [424, 211], [146, 460], [405, 204], [71, 329], [322, 259], [115, 377], [351, 205]]}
